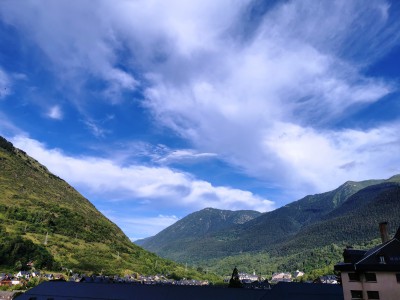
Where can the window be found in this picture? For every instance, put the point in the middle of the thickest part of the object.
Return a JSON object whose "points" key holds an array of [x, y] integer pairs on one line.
{"points": [[373, 294], [354, 277], [382, 259], [356, 295], [370, 277], [398, 277]]}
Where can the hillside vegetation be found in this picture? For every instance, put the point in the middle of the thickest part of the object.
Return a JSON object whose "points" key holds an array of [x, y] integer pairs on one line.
{"points": [[45, 220], [307, 234], [197, 225]]}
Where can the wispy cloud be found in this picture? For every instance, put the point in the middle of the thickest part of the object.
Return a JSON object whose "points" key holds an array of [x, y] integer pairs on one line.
{"points": [[184, 156], [146, 186], [8, 128], [293, 79], [266, 103], [81, 46], [55, 112], [141, 226], [95, 129]]}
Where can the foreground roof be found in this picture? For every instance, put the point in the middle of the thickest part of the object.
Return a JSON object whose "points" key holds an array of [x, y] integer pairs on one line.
{"points": [[384, 257], [283, 291]]}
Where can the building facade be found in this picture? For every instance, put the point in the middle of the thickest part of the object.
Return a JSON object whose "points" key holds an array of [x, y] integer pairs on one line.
{"points": [[372, 274]]}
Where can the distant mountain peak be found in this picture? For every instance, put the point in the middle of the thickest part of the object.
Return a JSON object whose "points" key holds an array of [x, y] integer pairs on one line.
{"points": [[311, 221]]}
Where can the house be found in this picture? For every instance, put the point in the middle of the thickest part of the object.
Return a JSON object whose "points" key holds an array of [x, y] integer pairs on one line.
{"points": [[247, 278], [281, 277], [49, 276], [328, 279], [372, 274], [257, 285], [23, 274], [6, 281], [15, 281], [298, 274], [35, 273]]}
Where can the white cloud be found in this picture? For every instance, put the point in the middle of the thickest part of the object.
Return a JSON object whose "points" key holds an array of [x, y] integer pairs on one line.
{"points": [[184, 155], [141, 226], [149, 186], [82, 41], [325, 159], [297, 73], [257, 99], [55, 112]]}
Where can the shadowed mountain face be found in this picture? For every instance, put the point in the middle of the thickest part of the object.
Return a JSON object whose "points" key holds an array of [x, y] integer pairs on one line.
{"points": [[346, 215], [45, 220], [198, 225]]}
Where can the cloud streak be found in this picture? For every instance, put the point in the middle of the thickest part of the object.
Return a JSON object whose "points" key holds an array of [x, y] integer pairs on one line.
{"points": [[266, 100], [143, 226], [146, 186], [272, 109]]}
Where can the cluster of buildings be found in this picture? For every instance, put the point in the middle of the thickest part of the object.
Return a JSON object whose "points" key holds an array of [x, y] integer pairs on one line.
{"points": [[137, 279], [365, 274], [19, 278], [288, 277], [22, 277], [246, 278]]}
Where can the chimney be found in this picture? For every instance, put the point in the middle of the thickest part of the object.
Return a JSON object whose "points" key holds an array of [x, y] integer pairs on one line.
{"points": [[384, 232]]}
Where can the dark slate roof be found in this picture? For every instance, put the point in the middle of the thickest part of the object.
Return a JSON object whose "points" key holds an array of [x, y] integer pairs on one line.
{"points": [[391, 253], [122, 291], [397, 235], [353, 255], [93, 291], [370, 261], [305, 291]]}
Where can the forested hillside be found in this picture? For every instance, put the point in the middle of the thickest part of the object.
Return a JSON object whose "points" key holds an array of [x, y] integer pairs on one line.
{"points": [[309, 233], [45, 220], [197, 225]]}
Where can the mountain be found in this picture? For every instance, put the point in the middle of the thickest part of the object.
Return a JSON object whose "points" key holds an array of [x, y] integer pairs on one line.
{"points": [[194, 227], [45, 220], [356, 221], [347, 215]]}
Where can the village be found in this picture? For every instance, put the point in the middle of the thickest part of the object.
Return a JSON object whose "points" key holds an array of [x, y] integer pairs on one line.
{"points": [[365, 274], [26, 279], [12, 285], [19, 282]]}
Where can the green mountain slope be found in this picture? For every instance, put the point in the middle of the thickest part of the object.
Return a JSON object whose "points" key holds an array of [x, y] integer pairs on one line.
{"points": [[317, 247], [356, 221], [194, 227], [258, 234], [346, 215], [45, 220]]}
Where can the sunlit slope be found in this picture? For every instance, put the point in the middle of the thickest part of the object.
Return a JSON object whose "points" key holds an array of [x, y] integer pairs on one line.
{"points": [[45, 220]]}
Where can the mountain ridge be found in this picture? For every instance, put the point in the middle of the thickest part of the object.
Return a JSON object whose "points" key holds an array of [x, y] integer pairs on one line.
{"points": [[203, 222], [298, 224]]}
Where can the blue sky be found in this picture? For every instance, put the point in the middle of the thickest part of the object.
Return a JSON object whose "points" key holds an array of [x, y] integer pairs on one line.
{"points": [[156, 109]]}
